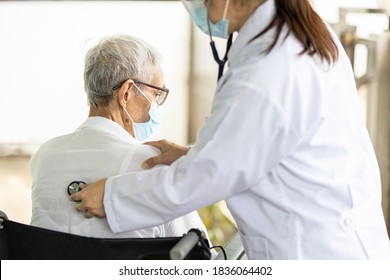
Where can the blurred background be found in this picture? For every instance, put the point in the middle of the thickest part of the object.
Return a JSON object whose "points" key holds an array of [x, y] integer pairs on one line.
{"points": [[42, 47]]}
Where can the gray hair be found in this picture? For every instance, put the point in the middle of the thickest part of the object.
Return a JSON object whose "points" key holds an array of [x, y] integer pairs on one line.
{"points": [[114, 60]]}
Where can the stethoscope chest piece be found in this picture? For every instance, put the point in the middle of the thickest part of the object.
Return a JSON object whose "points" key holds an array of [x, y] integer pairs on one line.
{"points": [[74, 187]]}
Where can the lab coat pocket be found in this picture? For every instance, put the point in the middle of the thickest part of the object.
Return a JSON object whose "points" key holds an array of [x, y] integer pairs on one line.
{"points": [[371, 228], [256, 248]]}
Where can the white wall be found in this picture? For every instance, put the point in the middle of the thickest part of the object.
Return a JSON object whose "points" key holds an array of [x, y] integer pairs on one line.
{"points": [[329, 8], [42, 47]]}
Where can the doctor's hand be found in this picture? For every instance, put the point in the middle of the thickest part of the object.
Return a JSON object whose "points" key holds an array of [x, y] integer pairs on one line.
{"points": [[169, 153], [91, 199]]}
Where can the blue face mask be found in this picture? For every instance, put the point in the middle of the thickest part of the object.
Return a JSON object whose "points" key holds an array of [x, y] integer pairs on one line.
{"points": [[143, 130], [198, 13]]}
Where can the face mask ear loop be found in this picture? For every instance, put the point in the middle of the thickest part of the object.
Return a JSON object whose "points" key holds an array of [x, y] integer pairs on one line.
{"points": [[225, 11], [142, 93], [127, 113]]}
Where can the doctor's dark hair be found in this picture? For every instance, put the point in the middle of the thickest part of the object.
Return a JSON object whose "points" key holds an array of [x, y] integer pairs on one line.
{"points": [[115, 59], [306, 25]]}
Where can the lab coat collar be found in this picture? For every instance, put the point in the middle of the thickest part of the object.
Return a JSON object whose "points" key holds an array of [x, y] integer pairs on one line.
{"points": [[108, 126], [257, 22]]}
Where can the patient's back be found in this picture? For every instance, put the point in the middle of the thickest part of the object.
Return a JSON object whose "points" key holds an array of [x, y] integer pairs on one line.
{"points": [[99, 148]]}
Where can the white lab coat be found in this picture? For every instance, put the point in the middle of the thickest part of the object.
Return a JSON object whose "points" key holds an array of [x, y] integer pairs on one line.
{"points": [[98, 148], [287, 146]]}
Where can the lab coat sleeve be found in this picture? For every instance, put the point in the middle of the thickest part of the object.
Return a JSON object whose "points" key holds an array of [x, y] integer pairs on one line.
{"points": [[246, 135]]}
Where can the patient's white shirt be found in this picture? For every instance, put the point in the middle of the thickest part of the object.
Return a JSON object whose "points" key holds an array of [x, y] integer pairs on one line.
{"points": [[98, 148]]}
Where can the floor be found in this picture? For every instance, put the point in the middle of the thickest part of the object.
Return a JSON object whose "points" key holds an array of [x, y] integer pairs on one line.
{"points": [[15, 188]]}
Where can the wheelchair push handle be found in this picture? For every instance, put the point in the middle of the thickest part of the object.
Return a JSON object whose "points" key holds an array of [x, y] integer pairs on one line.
{"points": [[185, 245]]}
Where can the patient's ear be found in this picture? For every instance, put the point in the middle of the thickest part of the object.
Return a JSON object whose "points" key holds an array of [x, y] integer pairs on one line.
{"points": [[124, 92]]}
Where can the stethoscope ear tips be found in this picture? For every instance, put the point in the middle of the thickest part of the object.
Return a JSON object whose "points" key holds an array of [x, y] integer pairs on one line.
{"points": [[74, 187]]}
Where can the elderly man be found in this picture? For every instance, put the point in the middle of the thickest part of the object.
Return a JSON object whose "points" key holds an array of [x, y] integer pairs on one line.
{"points": [[124, 84]]}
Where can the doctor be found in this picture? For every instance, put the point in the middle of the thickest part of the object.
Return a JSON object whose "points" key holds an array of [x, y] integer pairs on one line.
{"points": [[285, 144]]}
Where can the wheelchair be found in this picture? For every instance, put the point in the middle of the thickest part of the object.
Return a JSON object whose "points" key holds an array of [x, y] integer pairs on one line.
{"points": [[24, 242]]}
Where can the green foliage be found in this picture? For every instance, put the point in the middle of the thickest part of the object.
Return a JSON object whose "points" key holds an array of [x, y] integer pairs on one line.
{"points": [[218, 222]]}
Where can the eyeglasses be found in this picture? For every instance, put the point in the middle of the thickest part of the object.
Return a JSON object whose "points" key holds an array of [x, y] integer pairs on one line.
{"points": [[161, 95]]}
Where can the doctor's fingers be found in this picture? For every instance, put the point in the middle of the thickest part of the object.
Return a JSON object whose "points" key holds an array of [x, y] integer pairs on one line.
{"points": [[90, 211], [165, 158], [169, 153], [82, 185], [165, 146], [88, 214], [81, 194], [76, 196], [151, 162], [162, 144], [81, 207], [79, 197]]}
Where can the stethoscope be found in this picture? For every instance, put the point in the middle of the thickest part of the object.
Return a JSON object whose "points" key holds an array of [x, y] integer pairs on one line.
{"points": [[74, 187]]}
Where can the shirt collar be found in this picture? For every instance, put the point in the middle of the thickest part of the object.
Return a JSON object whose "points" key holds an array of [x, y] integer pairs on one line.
{"points": [[257, 22], [108, 126]]}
